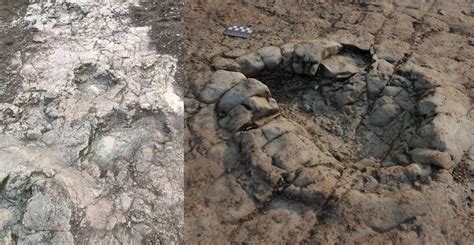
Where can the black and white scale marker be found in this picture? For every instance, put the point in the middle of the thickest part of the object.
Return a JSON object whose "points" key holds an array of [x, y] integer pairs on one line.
{"points": [[238, 31]]}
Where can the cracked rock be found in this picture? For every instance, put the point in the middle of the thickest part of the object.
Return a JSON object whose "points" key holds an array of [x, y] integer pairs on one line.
{"points": [[339, 67], [251, 64], [240, 92], [375, 149], [93, 114], [220, 83]]}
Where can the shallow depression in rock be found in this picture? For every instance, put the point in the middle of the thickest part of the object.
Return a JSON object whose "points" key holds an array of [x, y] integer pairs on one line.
{"points": [[332, 103], [303, 113], [264, 168]]}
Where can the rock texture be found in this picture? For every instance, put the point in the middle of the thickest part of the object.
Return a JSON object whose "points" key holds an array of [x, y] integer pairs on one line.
{"points": [[350, 127], [90, 143]]}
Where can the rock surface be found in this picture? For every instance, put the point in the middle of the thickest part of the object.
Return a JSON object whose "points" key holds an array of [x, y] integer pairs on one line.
{"points": [[90, 143], [374, 149]]}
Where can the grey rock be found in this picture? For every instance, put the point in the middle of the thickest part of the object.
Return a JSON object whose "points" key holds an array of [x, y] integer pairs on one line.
{"points": [[220, 63], [261, 106], [220, 83], [375, 84], [277, 128], [251, 64], [271, 56], [450, 131], [314, 185], [44, 237], [298, 68], [425, 107], [47, 212], [378, 78], [243, 90], [287, 51], [425, 77], [351, 92], [391, 91], [384, 113], [97, 103], [283, 148], [400, 81], [236, 118], [62, 237], [252, 142], [339, 67], [316, 52]]}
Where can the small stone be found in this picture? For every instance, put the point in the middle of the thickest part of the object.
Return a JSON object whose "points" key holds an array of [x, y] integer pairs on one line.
{"points": [[251, 64], [271, 56], [287, 49]]}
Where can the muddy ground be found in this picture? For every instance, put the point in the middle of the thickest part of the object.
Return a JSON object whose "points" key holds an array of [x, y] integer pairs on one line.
{"points": [[357, 129], [90, 121]]}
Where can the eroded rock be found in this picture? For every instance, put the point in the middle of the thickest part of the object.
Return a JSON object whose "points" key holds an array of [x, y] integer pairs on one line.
{"points": [[95, 113], [379, 135], [220, 83]]}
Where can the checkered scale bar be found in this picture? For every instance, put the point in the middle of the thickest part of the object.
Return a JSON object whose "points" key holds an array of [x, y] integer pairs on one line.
{"points": [[238, 31]]}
